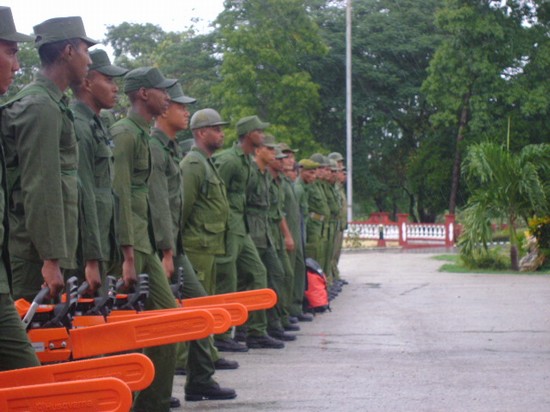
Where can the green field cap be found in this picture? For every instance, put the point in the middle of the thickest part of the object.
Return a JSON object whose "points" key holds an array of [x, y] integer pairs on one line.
{"points": [[61, 28], [308, 164], [7, 27], [286, 148], [102, 64], [336, 156], [250, 123], [146, 77], [206, 118], [279, 154], [176, 95], [269, 141], [319, 158]]}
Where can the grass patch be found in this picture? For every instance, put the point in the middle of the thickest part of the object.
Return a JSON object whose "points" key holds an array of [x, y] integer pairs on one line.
{"points": [[455, 265]]}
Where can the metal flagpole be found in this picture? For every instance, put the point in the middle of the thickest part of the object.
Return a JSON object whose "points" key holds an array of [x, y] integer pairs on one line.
{"points": [[349, 163]]}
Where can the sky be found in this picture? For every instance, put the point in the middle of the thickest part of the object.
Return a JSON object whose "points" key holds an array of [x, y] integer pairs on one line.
{"points": [[170, 15]]}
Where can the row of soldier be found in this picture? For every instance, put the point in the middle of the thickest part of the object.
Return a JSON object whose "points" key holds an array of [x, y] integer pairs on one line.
{"points": [[82, 198]]}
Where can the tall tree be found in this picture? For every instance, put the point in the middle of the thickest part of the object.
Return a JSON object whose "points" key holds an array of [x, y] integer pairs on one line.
{"points": [[267, 46]]}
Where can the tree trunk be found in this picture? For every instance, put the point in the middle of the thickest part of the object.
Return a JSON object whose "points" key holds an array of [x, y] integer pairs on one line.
{"points": [[458, 158]]}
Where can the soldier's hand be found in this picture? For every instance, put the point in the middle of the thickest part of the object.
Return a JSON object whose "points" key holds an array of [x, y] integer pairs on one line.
{"points": [[53, 277], [128, 267], [93, 277], [168, 262], [289, 243]]}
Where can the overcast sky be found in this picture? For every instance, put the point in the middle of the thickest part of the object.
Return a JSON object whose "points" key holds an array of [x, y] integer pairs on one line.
{"points": [[171, 15]]}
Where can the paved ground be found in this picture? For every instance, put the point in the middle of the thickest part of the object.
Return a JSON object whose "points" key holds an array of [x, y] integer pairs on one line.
{"points": [[404, 337]]}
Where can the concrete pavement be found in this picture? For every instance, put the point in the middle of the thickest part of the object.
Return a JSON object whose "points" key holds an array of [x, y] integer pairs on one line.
{"points": [[404, 337]]}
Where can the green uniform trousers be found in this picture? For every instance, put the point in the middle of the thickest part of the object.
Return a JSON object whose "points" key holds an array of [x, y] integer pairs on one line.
{"points": [[337, 252], [287, 285], [197, 356], [15, 350], [241, 269], [275, 280], [330, 240], [27, 278], [156, 398], [297, 297]]}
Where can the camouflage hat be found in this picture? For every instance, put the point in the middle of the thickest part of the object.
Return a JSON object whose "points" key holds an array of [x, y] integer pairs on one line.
{"points": [[279, 154], [206, 118], [176, 95], [308, 164], [250, 123], [319, 158], [61, 28], [102, 64], [286, 148], [146, 77], [336, 156], [269, 141], [7, 27]]}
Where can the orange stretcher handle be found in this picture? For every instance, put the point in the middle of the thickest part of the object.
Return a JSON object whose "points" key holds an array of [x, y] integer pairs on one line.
{"points": [[145, 331], [252, 299], [91, 395], [134, 369]]}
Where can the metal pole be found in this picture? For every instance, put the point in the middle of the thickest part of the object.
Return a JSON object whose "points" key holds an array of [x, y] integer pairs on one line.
{"points": [[349, 154]]}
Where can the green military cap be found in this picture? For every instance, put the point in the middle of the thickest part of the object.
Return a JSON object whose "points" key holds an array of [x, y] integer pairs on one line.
{"points": [[286, 148], [102, 64], [61, 28], [336, 156], [7, 27], [269, 141], [308, 164], [250, 123], [279, 154], [319, 158], [206, 118], [333, 165], [176, 95], [186, 145], [146, 77]]}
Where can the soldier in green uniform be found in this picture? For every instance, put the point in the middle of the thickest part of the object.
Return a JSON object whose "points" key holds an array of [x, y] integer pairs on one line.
{"points": [[263, 213], [146, 90], [283, 238], [95, 162], [333, 198], [241, 268], [15, 348], [295, 221], [41, 160], [343, 216], [166, 197]]}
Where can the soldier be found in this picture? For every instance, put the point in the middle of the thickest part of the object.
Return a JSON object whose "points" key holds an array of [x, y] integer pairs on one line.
{"points": [[98, 91], [166, 197], [343, 217], [295, 221], [262, 213], [241, 266], [333, 199], [15, 348], [146, 90], [42, 159]]}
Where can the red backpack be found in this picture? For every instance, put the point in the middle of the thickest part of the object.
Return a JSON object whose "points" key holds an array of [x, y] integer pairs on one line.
{"points": [[316, 293]]}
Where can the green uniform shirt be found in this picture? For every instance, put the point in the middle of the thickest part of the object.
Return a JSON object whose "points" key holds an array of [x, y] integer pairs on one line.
{"points": [[276, 212], [131, 172], [234, 167], [41, 160], [258, 207], [95, 164], [165, 192], [344, 206], [317, 201], [205, 205], [333, 200], [5, 274], [292, 209]]}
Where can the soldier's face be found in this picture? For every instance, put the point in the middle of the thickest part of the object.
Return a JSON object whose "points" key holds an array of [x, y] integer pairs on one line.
{"points": [[308, 176], [78, 60], [104, 89], [256, 137], [158, 101], [177, 115], [267, 154], [213, 138], [8, 64]]}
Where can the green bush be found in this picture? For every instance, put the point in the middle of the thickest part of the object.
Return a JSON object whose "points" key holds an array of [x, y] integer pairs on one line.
{"points": [[492, 258]]}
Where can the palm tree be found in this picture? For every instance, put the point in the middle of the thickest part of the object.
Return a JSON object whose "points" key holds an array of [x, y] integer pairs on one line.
{"points": [[504, 185]]}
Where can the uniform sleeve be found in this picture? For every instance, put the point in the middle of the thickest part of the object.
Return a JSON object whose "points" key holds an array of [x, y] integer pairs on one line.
{"points": [[226, 167], [88, 220], [123, 155], [38, 129], [159, 199], [193, 174]]}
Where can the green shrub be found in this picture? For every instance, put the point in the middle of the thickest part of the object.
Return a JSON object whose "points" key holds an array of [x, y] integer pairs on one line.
{"points": [[491, 258]]}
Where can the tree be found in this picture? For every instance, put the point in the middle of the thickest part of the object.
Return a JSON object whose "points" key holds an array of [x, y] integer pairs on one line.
{"points": [[504, 185], [267, 46]]}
